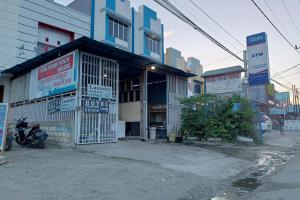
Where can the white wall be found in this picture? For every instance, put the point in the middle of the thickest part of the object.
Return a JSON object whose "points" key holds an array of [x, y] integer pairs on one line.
{"points": [[19, 90], [130, 112], [19, 26]]}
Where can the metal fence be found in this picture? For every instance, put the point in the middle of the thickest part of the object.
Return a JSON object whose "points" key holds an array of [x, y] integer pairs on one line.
{"points": [[37, 110], [176, 89], [98, 127]]}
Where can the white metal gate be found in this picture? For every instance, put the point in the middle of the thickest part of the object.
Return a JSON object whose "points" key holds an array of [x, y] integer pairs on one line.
{"points": [[176, 89], [97, 127]]}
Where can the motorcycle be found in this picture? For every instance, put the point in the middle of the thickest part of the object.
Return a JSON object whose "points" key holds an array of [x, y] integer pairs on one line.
{"points": [[31, 136]]}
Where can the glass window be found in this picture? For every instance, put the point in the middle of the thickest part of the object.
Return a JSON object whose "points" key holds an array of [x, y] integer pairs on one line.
{"points": [[153, 44], [118, 29]]}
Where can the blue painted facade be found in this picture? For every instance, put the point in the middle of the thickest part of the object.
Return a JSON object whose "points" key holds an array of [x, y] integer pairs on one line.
{"points": [[140, 25]]}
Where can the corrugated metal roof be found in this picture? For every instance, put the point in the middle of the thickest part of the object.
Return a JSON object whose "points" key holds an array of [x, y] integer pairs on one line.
{"points": [[225, 70]]}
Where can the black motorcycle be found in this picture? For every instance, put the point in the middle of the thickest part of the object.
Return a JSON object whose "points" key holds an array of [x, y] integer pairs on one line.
{"points": [[31, 136]]}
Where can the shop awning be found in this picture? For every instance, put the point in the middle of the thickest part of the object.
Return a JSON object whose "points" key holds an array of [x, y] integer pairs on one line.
{"points": [[88, 45]]}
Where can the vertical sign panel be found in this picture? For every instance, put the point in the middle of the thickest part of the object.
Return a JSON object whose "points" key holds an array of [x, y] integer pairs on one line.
{"points": [[258, 59], [3, 118]]}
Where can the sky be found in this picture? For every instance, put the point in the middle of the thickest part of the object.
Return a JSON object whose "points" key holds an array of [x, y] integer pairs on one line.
{"points": [[241, 18]]}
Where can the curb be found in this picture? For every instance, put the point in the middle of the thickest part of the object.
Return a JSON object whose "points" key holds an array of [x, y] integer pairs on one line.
{"points": [[2, 160]]}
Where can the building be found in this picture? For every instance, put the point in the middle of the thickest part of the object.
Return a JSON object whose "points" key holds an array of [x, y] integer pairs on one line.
{"points": [[224, 82], [89, 90], [174, 58]]}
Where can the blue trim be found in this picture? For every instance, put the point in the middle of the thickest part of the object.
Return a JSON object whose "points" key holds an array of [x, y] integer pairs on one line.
{"points": [[146, 51], [133, 21], [92, 34], [162, 45], [148, 15], [111, 4], [108, 37]]}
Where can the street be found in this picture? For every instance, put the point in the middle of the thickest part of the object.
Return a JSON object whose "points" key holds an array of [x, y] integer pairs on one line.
{"points": [[155, 170]]}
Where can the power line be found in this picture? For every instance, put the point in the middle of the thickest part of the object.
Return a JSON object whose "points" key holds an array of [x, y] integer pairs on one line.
{"points": [[205, 13], [222, 59], [262, 12], [284, 71], [290, 16], [188, 7], [278, 20], [174, 10]]}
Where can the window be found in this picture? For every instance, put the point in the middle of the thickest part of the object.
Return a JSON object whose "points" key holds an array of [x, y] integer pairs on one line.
{"points": [[152, 44], [129, 91], [197, 87], [118, 29]]}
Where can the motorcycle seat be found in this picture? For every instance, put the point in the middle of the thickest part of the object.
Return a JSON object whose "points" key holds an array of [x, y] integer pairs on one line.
{"points": [[35, 126]]}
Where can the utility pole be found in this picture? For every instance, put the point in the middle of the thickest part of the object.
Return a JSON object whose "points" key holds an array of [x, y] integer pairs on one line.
{"points": [[245, 81]]}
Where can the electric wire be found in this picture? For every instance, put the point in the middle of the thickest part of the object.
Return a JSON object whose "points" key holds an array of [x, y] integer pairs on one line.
{"points": [[290, 16], [189, 8], [263, 13], [286, 70], [220, 26], [174, 10], [278, 20]]}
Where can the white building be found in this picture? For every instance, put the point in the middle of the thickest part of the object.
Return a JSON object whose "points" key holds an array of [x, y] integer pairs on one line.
{"points": [[124, 57], [174, 58]]}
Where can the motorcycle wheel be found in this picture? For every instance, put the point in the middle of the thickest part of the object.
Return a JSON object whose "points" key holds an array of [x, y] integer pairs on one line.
{"points": [[41, 143], [18, 140]]}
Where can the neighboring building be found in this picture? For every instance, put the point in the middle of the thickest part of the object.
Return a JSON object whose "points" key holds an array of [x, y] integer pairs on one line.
{"points": [[224, 82], [114, 22], [174, 58], [31, 27]]}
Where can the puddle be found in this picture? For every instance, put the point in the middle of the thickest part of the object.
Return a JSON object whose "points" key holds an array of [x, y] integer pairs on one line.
{"points": [[248, 184], [268, 163]]}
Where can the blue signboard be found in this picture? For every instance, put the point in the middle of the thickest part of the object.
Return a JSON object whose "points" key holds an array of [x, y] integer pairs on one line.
{"points": [[95, 106], [256, 39], [3, 116], [258, 59]]}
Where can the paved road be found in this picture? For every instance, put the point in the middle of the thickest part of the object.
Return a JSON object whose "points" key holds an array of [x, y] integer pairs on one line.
{"points": [[136, 170], [284, 184], [132, 170]]}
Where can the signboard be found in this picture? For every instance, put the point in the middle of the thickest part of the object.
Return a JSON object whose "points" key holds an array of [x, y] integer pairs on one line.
{"points": [[63, 105], [100, 92], [278, 111], [282, 96], [54, 106], [95, 106], [3, 118], [258, 59], [55, 77], [224, 84], [68, 104], [271, 90], [258, 94]]}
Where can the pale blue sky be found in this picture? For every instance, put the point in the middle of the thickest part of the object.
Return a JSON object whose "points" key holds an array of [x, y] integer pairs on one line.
{"points": [[241, 18]]}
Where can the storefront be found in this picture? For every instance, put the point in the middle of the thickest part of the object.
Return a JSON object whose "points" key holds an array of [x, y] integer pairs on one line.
{"points": [[77, 92]]}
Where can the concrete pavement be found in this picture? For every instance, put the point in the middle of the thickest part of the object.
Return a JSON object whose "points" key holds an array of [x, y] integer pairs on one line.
{"points": [[284, 184]]}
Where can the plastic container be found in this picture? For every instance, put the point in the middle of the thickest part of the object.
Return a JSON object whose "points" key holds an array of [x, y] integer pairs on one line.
{"points": [[152, 133]]}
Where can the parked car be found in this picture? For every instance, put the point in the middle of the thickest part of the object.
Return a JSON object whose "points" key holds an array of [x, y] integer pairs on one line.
{"points": [[266, 123]]}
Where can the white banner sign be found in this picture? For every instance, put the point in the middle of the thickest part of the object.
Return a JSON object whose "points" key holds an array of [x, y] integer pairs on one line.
{"points": [[224, 86], [55, 77], [98, 91]]}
